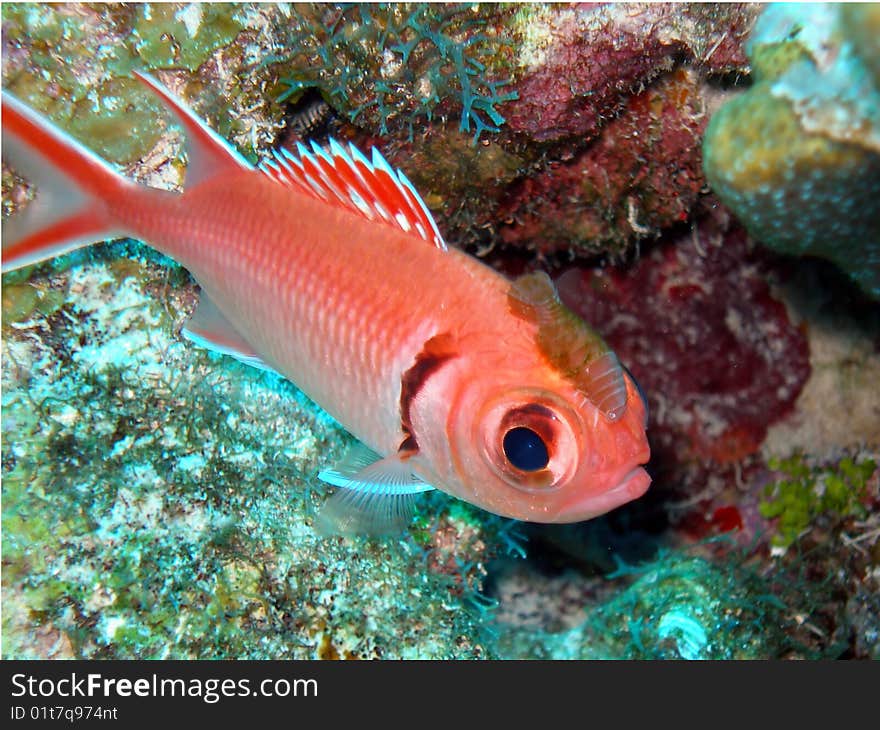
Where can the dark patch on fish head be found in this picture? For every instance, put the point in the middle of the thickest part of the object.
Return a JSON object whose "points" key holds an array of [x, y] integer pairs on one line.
{"points": [[436, 351]]}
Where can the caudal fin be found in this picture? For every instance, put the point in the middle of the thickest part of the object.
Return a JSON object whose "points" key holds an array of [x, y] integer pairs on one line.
{"points": [[72, 185]]}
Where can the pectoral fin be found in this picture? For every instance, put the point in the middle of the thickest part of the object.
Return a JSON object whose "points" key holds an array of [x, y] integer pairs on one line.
{"points": [[375, 496]]}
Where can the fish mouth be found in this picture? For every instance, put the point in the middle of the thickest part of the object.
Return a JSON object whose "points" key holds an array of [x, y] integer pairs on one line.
{"points": [[632, 485]]}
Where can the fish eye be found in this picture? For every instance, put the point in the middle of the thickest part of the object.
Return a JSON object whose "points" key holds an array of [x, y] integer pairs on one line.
{"points": [[525, 449], [529, 439], [527, 445]]}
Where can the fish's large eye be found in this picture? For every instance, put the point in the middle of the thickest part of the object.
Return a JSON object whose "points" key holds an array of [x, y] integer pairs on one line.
{"points": [[525, 449], [528, 438], [527, 445]]}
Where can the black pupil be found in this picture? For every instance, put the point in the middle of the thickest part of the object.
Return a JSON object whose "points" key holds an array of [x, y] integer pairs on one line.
{"points": [[525, 449]]}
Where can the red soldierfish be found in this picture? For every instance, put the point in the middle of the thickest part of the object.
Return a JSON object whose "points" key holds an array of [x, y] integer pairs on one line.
{"points": [[327, 267]]}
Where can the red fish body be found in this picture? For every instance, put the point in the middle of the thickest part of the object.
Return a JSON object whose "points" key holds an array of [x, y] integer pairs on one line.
{"points": [[328, 269]]}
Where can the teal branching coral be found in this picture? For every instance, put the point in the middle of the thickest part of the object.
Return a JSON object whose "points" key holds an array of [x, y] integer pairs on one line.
{"points": [[807, 493], [391, 65], [797, 156]]}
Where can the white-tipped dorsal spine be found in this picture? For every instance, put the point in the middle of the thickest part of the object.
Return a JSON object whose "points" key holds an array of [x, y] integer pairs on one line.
{"points": [[373, 189]]}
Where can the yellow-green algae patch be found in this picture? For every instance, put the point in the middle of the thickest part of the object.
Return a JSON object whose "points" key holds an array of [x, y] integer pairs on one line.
{"points": [[22, 301], [182, 35], [804, 493]]}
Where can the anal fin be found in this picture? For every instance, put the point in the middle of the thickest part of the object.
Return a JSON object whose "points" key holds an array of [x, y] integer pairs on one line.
{"points": [[210, 329]]}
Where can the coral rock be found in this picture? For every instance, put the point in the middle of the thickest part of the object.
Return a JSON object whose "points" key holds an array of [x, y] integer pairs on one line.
{"points": [[797, 157], [579, 65], [642, 174], [678, 608]]}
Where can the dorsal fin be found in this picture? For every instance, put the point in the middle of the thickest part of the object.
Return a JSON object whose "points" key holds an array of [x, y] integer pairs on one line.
{"points": [[208, 154], [570, 344], [348, 179]]}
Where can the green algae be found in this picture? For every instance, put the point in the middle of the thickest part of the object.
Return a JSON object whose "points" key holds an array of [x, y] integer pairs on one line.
{"points": [[175, 36], [80, 59], [123, 125], [22, 301], [807, 492]]}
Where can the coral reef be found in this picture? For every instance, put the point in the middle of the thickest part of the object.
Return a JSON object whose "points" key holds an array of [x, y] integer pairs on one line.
{"points": [[678, 607], [72, 62], [605, 130], [579, 65], [458, 96], [397, 65], [797, 156], [157, 499], [641, 175], [718, 598]]}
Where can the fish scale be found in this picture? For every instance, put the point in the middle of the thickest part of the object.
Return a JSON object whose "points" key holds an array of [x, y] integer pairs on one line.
{"points": [[319, 280]]}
